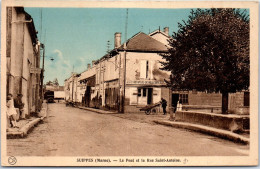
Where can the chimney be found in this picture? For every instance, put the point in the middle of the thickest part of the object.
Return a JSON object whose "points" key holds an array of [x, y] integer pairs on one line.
{"points": [[117, 39], [166, 30], [89, 66]]}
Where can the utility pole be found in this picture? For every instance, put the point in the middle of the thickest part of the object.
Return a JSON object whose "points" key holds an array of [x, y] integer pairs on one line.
{"points": [[42, 77], [103, 85], [124, 67], [43, 58], [119, 90]]}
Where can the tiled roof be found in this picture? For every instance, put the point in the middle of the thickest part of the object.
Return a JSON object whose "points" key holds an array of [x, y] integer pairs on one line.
{"points": [[142, 42]]}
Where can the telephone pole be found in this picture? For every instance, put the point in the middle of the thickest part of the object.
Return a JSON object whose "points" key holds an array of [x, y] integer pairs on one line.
{"points": [[124, 66], [42, 72]]}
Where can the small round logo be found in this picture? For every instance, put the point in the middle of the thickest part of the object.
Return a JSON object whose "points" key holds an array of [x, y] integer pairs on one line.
{"points": [[12, 160]]}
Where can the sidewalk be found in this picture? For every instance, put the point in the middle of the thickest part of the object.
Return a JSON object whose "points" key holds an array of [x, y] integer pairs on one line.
{"points": [[206, 130], [25, 126], [164, 120]]}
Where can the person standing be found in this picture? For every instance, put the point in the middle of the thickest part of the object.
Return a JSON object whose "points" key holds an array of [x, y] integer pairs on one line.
{"points": [[11, 111], [18, 103], [164, 105]]}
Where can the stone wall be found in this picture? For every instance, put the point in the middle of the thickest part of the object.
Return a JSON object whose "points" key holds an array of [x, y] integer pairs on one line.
{"points": [[236, 103], [235, 123], [202, 98]]}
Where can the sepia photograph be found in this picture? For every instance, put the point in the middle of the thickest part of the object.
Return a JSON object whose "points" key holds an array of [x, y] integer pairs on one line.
{"points": [[88, 83]]}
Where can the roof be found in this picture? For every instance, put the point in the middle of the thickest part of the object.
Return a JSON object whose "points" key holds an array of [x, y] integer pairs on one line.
{"points": [[158, 31], [144, 43], [140, 42]]}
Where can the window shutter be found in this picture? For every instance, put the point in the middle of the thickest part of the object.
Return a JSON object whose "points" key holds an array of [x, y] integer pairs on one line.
{"points": [[151, 68], [143, 69]]}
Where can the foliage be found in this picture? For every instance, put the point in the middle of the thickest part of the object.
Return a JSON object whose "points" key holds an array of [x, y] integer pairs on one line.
{"points": [[49, 83], [210, 52], [55, 82]]}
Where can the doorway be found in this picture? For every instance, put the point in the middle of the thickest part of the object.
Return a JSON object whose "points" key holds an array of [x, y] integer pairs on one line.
{"points": [[145, 96], [150, 96], [87, 96], [175, 99]]}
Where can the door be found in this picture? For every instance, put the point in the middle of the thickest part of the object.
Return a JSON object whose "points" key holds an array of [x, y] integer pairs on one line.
{"points": [[175, 99], [150, 96], [87, 96]]}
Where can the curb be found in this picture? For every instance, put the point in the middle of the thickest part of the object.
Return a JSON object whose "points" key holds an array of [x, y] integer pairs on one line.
{"points": [[207, 130], [23, 131], [97, 110]]}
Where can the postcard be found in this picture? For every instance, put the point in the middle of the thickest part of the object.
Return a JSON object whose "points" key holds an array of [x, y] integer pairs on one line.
{"points": [[129, 83]]}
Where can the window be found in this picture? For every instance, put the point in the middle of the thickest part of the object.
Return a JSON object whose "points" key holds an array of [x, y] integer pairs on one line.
{"points": [[139, 93], [183, 98], [144, 92], [145, 65], [246, 98]]}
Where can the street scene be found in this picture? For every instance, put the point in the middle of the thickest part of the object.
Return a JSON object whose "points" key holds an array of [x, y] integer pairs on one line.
{"points": [[69, 131], [127, 82]]}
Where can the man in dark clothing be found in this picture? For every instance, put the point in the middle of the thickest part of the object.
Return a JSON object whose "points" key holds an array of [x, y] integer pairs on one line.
{"points": [[20, 105], [164, 105]]}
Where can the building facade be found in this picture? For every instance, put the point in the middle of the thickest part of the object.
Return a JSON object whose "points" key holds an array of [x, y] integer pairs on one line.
{"points": [[138, 78], [71, 88], [23, 58]]}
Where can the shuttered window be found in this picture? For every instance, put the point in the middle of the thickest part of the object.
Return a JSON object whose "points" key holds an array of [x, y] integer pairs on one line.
{"points": [[143, 69]]}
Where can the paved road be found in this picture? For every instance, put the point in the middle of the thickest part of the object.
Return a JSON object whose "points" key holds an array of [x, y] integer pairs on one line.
{"points": [[69, 131]]}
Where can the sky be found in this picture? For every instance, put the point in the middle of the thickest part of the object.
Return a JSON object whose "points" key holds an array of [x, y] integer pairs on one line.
{"points": [[74, 37]]}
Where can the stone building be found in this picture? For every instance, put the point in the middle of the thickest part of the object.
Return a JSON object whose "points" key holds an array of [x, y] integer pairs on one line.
{"points": [[23, 58]]}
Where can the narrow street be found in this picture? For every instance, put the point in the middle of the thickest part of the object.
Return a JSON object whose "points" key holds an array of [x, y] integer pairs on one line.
{"points": [[69, 131]]}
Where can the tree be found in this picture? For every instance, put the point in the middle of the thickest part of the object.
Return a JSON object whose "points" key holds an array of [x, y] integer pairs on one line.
{"points": [[49, 83], [210, 52], [55, 82]]}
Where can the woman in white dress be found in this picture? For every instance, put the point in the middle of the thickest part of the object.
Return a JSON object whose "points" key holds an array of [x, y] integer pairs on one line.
{"points": [[11, 111]]}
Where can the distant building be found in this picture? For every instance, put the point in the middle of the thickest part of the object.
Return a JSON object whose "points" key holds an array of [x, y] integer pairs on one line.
{"points": [[87, 87], [71, 88], [22, 58], [54, 87]]}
